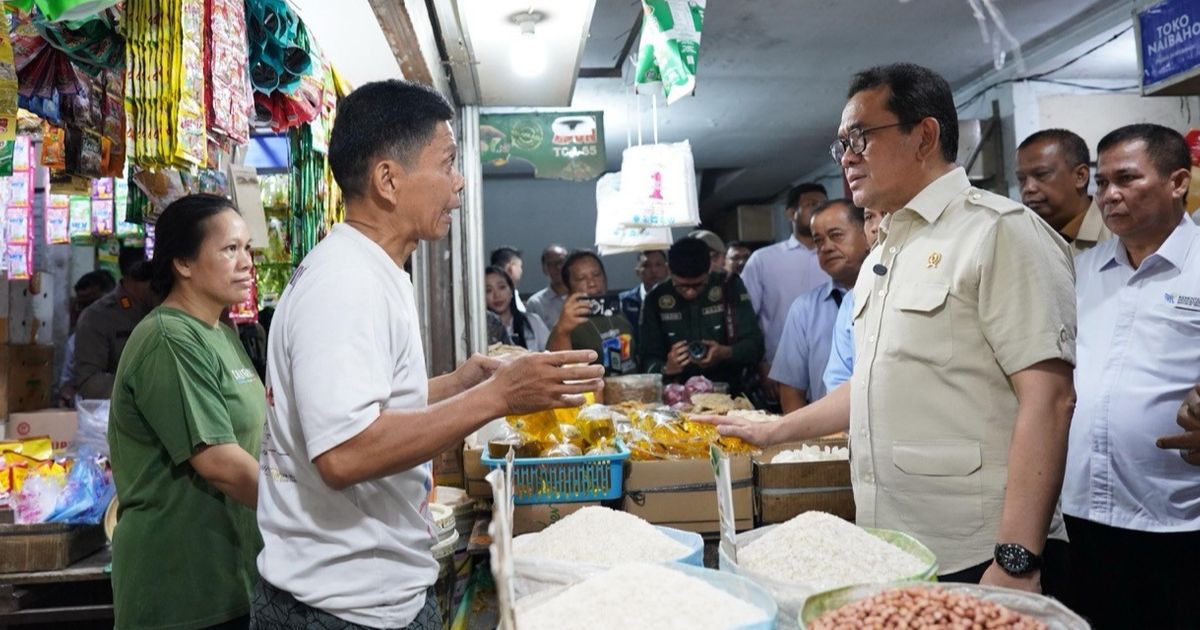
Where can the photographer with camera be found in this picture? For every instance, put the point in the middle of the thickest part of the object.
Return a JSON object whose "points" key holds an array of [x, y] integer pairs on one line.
{"points": [[591, 319], [700, 323]]}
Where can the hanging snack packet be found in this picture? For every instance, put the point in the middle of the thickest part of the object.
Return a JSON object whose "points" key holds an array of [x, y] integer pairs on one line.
{"points": [[670, 45], [54, 147]]}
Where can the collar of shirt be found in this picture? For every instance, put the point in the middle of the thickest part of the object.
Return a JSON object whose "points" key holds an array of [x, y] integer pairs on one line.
{"points": [[793, 243], [828, 288], [1090, 227], [1173, 251], [932, 201], [642, 291]]}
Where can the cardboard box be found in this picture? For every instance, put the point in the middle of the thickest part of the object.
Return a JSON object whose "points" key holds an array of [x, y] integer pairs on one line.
{"points": [[539, 516], [783, 491], [28, 379], [59, 424], [682, 493], [474, 473], [448, 469], [46, 546]]}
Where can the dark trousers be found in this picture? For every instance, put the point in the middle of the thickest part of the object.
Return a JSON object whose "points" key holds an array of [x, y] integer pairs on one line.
{"points": [[276, 609], [1056, 572], [1130, 579], [241, 623]]}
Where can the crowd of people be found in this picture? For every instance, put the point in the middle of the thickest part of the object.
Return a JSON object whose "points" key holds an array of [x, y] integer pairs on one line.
{"points": [[1021, 363], [1013, 375]]}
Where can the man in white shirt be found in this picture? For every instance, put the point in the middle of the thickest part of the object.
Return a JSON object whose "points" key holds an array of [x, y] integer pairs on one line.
{"points": [[548, 303], [1133, 509], [778, 274], [353, 419]]}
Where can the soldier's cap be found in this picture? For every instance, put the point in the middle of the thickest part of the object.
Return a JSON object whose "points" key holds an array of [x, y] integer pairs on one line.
{"points": [[713, 241]]}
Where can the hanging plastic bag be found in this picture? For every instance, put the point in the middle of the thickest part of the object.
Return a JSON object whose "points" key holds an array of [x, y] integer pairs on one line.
{"points": [[658, 186], [611, 236], [92, 433], [670, 46]]}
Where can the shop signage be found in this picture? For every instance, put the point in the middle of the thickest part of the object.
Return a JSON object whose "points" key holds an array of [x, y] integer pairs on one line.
{"points": [[559, 145], [1168, 42]]}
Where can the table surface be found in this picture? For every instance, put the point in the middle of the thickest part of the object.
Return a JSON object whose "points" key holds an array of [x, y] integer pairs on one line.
{"points": [[87, 569]]}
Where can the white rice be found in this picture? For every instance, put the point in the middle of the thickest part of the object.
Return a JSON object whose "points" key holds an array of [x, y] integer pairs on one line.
{"points": [[812, 453], [599, 535], [639, 596], [822, 552]]}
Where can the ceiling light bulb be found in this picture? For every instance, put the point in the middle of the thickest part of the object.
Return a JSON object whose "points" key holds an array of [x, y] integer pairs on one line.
{"points": [[528, 52]]}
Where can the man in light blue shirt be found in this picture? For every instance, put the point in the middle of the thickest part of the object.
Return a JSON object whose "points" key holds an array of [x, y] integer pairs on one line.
{"points": [[841, 350], [803, 353], [1132, 508]]}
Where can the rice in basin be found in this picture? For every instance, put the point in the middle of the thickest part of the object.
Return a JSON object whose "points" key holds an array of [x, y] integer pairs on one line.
{"points": [[823, 552], [601, 536]]}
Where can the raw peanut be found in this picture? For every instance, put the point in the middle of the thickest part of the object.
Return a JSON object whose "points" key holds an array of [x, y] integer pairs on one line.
{"points": [[917, 607]]}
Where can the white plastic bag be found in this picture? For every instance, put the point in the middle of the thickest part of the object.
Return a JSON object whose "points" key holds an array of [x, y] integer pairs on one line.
{"points": [[93, 424], [658, 186], [611, 236]]}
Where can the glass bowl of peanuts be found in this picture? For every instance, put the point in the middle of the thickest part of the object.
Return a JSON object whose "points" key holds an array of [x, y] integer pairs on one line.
{"points": [[930, 604]]}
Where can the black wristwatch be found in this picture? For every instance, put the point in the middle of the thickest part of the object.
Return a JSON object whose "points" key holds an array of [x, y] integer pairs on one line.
{"points": [[1016, 560]]}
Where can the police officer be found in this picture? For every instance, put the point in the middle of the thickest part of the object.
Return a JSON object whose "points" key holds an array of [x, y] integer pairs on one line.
{"points": [[104, 327], [699, 323]]}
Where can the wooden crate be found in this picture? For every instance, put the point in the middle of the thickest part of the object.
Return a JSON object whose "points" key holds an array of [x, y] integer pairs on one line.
{"points": [[46, 546], [783, 491]]}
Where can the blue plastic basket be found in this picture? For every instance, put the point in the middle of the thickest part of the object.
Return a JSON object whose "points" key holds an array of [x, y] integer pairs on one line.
{"points": [[565, 479]]}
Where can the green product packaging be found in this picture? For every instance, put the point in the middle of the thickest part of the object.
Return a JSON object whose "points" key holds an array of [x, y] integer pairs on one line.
{"points": [[670, 45]]}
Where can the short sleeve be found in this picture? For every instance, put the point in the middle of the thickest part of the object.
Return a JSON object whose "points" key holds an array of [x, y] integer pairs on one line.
{"points": [[791, 359], [841, 351], [750, 279], [1026, 293], [338, 345], [178, 391]]}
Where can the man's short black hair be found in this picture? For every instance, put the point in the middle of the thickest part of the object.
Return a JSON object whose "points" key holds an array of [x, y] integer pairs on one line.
{"points": [[576, 256], [736, 244], [853, 213], [385, 119], [689, 258], [643, 255], [501, 256], [133, 265], [1069, 142], [1166, 147], [793, 198], [917, 93], [100, 280], [549, 249]]}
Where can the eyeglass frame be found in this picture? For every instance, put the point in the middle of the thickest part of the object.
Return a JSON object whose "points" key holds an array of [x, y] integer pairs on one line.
{"points": [[845, 143]]}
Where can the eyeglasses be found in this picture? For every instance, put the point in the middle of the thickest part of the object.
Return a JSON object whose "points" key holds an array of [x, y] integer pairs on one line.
{"points": [[856, 141]]}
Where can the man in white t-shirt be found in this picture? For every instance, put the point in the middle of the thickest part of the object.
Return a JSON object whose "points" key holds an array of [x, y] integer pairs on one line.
{"points": [[353, 419]]}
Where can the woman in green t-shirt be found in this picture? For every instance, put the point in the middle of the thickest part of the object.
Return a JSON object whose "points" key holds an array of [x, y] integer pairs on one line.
{"points": [[185, 428]]}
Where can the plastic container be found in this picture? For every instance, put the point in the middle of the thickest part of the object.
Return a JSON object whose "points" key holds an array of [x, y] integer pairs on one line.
{"points": [[735, 585], [533, 574], [1049, 611], [642, 388], [443, 520], [565, 479], [791, 596]]}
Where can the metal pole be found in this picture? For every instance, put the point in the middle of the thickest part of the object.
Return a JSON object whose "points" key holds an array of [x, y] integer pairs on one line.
{"points": [[472, 335]]}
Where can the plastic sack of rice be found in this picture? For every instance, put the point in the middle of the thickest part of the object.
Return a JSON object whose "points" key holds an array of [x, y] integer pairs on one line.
{"points": [[640, 595], [592, 540], [816, 552]]}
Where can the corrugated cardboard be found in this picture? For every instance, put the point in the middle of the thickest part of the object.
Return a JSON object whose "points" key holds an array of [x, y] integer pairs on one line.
{"points": [[46, 546], [448, 469], [28, 378], [539, 516], [59, 424], [783, 491], [475, 472], [682, 493], [31, 310]]}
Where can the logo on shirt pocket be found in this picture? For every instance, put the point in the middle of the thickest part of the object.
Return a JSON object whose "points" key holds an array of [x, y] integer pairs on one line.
{"points": [[1183, 302]]}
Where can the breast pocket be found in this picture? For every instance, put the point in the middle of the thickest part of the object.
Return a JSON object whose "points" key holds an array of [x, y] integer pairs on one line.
{"points": [[921, 328], [937, 486]]}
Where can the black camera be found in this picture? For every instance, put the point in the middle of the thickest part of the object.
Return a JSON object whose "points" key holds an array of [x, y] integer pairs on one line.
{"points": [[697, 349]]}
